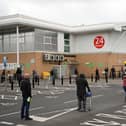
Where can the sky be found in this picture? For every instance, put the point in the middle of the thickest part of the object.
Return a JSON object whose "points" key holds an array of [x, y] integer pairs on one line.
{"points": [[68, 12]]}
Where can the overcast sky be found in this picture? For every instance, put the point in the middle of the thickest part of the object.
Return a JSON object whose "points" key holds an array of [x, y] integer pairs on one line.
{"points": [[68, 12]]}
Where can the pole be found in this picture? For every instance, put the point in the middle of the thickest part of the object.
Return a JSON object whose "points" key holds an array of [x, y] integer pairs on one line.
{"points": [[17, 38]]}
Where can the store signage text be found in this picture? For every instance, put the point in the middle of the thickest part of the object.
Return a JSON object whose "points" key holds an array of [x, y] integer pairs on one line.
{"points": [[53, 57], [9, 66], [99, 41]]}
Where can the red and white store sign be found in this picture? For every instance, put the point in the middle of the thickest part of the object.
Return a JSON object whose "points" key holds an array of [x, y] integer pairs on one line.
{"points": [[99, 41]]}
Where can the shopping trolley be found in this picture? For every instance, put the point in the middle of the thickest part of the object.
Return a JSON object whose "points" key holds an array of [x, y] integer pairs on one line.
{"points": [[89, 101]]}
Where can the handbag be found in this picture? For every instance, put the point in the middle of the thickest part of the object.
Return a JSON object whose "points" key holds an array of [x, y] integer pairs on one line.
{"points": [[88, 94]]}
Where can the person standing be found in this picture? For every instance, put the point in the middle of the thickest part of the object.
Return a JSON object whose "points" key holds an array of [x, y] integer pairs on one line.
{"points": [[19, 75], [106, 74], [113, 73], [82, 84], [26, 96], [97, 76], [124, 86]]}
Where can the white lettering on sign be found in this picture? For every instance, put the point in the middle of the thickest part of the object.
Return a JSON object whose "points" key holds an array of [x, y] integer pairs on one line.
{"points": [[98, 122], [53, 57], [10, 66]]}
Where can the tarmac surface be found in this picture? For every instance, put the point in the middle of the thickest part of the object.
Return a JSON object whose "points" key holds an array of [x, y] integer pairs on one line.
{"points": [[56, 105]]}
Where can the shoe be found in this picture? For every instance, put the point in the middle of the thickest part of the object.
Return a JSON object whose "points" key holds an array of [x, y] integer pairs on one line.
{"points": [[23, 117], [28, 118], [78, 109], [84, 110]]}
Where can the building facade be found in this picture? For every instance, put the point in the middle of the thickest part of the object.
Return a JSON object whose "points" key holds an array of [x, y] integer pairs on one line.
{"points": [[40, 45]]}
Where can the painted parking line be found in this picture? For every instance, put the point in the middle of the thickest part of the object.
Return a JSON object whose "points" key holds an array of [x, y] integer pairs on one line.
{"points": [[75, 100], [43, 119], [9, 97], [7, 123], [7, 104], [112, 119], [11, 124], [14, 113]]}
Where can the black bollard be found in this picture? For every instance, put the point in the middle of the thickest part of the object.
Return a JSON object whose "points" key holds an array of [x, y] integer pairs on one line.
{"points": [[96, 78], [70, 79], [53, 81], [12, 85], [62, 80], [33, 83], [106, 78], [38, 80], [91, 77]]}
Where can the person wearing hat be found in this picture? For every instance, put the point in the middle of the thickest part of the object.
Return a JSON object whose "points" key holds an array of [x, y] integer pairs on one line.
{"points": [[26, 96], [82, 84]]}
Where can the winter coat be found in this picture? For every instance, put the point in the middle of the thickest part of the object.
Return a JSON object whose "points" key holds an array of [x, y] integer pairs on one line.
{"points": [[26, 88], [82, 84]]}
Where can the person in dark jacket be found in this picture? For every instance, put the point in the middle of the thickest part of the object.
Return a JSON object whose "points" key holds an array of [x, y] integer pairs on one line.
{"points": [[26, 95], [82, 84], [19, 75]]}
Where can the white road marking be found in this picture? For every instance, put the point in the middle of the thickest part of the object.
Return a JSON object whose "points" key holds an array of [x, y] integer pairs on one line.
{"points": [[56, 111], [62, 113], [70, 101], [21, 125], [75, 100], [43, 119], [39, 119], [9, 97], [13, 113], [8, 104], [51, 96], [6, 123]]}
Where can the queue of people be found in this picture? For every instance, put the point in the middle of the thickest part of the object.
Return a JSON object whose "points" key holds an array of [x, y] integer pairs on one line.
{"points": [[82, 87]]}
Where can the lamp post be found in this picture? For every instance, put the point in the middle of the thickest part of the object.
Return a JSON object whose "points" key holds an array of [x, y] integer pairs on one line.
{"points": [[17, 38]]}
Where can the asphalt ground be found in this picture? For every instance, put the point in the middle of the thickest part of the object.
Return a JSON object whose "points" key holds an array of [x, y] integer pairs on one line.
{"points": [[56, 105]]}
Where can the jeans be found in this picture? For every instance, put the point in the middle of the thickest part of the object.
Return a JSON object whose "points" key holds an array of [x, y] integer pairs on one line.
{"points": [[25, 108]]}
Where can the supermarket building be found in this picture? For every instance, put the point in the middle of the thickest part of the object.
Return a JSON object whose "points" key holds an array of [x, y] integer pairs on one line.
{"points": [[41, 45]]}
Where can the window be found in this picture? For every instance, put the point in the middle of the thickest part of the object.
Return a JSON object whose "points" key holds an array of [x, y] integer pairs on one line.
{"points": [[66, 42], [67, 36], [66, 49], [45, 40], [1, 43], [26, 42]]}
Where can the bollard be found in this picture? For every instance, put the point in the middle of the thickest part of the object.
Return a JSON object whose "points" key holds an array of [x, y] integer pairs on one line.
{"points": [[91, 77], [12, 85], [96, 78], [61, 80], [11, 82], [106, 78], [33, 83], [70, 79], [53, 81], [38, 80]]}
